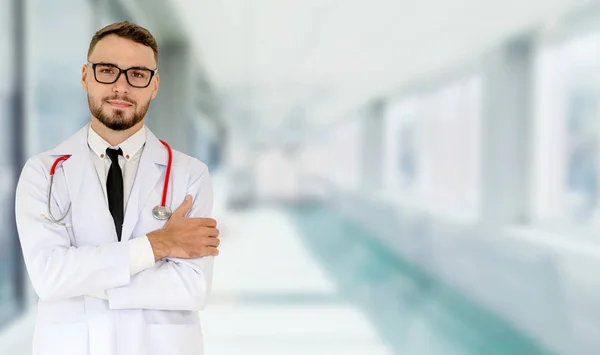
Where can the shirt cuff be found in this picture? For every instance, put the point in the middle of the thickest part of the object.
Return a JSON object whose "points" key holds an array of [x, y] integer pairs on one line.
{"points": [[141, 255]]}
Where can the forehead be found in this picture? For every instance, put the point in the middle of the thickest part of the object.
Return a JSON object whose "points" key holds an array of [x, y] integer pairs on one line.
{"points": [[123, 52]]}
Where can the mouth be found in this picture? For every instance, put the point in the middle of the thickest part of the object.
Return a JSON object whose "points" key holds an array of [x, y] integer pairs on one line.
{"points": [[119, 104]]}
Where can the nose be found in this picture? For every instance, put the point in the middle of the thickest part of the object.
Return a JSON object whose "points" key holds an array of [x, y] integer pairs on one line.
{"points": [[121, 85]]}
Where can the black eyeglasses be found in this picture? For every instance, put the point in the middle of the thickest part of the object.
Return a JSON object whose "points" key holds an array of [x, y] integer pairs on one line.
{"points": [[107, 73]]}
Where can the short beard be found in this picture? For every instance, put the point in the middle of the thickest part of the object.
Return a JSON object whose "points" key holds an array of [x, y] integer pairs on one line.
{"points": [[118, 122]]}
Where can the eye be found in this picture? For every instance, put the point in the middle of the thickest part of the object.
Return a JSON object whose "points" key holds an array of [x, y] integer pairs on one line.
{"points": [[105, 69], [139, 74]]}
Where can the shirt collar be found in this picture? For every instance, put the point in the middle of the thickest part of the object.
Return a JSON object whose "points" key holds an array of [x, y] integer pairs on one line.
{"points": [[131, 146]]}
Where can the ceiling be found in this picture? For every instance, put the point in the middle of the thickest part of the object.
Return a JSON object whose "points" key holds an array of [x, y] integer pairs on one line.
{"points": [[273, 61]]}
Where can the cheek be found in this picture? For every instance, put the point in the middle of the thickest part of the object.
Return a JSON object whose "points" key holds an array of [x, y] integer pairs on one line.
{"points": [[142, 99], [96, 93], [97, 100]]}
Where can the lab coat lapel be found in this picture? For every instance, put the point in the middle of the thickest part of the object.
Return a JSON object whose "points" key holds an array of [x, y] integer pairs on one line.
{"points": [[75, 167], [83, 184], [151, 168]]}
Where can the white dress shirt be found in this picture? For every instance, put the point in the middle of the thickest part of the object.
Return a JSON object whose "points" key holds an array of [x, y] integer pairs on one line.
{"points": [[140, 251]]}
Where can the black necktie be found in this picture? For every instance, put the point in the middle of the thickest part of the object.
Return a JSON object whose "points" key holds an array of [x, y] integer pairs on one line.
{"points": [[114, 188]]}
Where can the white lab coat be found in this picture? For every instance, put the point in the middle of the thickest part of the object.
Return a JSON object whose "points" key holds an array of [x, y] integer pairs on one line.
{"points": [[154, 312]]}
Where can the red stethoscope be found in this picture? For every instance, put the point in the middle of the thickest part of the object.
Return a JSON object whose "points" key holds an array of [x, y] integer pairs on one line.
{"points": [[161, 212]]}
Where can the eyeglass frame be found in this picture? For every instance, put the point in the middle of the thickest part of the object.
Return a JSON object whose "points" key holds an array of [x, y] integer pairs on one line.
{"points": [[123, 71]]}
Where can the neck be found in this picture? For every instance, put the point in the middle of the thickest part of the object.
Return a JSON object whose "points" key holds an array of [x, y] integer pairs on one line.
{"points": [[114, 138]]}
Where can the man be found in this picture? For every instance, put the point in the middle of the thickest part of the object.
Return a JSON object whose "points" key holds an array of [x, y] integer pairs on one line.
{"points": [[111, 277]]}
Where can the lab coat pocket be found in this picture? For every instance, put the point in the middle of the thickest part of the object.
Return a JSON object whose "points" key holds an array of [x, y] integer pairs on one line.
{"points": [[174, 339], [62, 339]]}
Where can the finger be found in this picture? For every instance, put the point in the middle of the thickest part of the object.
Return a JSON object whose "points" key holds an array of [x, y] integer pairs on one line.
{"points": [[208, 251], [209, 222], [204, 232], [203, 222], [184, 207], [210, 232], [199, 224], [212, 242]]}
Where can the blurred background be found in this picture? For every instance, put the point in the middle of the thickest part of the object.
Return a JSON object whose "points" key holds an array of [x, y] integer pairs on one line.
{"points": [[391, 177]]}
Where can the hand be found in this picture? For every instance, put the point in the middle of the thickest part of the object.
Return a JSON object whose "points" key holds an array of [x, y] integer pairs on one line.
{"points": [[185, 238]]}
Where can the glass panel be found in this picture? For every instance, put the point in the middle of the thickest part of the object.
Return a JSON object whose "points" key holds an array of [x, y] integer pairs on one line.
{"points": [[566, 181], [58, 51], [432, 145], [9, 256]]}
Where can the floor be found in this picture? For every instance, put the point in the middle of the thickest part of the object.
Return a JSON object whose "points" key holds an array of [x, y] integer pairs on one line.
{"points": [[271, 296], [304, 280]]}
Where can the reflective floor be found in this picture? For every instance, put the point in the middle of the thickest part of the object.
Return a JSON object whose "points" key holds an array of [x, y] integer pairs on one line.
{"points": [[304, 280], [271, 296]]}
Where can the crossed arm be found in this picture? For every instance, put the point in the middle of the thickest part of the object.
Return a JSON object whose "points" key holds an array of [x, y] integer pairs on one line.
{"points": [[59, 270]]}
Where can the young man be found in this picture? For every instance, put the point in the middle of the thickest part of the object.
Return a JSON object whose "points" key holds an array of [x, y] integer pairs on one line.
{"points": [[112, 276]]}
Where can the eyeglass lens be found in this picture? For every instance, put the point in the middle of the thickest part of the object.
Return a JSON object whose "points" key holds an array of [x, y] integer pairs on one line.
{"points": [[107, 74]]}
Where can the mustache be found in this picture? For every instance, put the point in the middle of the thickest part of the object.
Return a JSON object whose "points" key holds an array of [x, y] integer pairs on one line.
{"points": [[120, 98]]}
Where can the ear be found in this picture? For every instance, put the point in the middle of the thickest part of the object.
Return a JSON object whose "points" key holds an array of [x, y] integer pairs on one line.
{"points": [[155, 86], [84, 74]]}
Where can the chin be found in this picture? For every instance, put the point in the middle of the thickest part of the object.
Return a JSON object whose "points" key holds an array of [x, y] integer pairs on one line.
{"points": [[117, 120]]}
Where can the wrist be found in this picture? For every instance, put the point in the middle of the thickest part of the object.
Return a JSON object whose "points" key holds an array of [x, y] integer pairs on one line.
{"points": [[159, 244]]}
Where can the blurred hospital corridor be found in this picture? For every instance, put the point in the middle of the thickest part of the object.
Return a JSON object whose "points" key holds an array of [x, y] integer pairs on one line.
{"points": [[390, 178]]}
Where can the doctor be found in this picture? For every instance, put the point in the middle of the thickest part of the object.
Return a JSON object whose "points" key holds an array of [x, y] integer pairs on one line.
{"points": [[112, 277]]}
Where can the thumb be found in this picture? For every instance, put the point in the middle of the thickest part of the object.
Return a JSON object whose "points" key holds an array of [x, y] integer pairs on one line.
{"points": [[184, 207]]}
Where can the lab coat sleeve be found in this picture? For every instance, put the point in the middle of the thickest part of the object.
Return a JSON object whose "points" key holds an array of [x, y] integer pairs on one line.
{"points": [[141, 257], [57, 269], [172, 283]]}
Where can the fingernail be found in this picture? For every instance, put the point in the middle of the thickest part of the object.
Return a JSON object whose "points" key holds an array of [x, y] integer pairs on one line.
{"points": [[188, 198]]}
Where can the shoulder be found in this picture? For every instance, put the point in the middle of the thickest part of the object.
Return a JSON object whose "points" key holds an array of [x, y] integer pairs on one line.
{"points": [[41, 162], [182, 163], [194, 167], [35, 172]]}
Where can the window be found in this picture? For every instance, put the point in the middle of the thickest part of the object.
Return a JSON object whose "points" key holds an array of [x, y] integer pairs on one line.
{"points": [[10, 292], [57, 51], [432, 145], [566, 175], [401, 163]]}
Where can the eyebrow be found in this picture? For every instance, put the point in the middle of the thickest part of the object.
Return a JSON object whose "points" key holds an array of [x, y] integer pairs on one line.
{"points": [[134, 67]]}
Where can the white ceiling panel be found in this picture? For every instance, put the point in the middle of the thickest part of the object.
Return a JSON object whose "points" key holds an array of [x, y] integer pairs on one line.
{"points": [[331, 56]]}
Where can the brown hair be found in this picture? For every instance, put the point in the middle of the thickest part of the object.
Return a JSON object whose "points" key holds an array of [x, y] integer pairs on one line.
{"points": [[128, 30]]}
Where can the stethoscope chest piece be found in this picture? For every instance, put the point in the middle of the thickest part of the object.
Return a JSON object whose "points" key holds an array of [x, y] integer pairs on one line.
{"points": [[161, 212]]}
